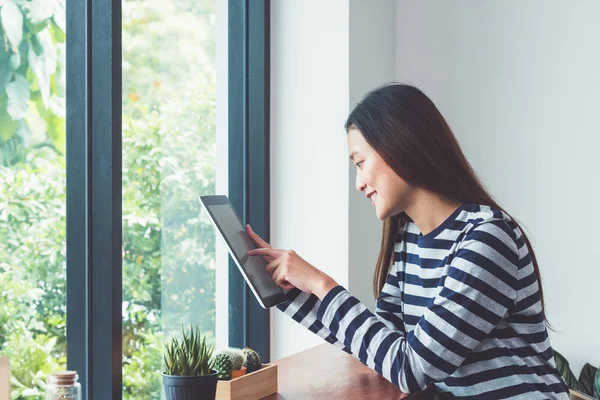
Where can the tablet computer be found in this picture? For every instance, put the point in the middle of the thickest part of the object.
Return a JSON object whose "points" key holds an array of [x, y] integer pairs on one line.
{"points": [[253, 268]]}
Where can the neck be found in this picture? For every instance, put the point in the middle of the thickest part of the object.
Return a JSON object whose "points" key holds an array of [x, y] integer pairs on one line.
{"points": [[428, 210]]}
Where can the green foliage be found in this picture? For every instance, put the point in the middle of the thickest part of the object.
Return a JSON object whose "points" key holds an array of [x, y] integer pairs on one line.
{"points": [[586, 379], [596, 390], [140, 378], [32, 273], [589, 378], [169, 158], [251, 360], [565, 370], [32, 78], [33, 352], [190, 357]]}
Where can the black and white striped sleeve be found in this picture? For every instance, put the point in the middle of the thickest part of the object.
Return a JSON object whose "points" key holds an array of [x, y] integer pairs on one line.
{"points": [[302, 307]]}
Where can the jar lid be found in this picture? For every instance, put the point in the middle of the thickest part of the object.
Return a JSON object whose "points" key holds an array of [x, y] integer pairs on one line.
{"points": [[65, 378]]}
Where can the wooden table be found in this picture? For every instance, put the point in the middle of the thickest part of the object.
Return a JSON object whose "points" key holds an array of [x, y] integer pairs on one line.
{"points": [[327, 372]]}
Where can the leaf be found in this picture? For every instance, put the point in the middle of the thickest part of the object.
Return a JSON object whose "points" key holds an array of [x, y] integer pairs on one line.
{"points": [[59, 15], [42, 60], [58, 82], [12, 23], [6, 68], [18, 97], [12, 153], [563, 367], [35, 122], [58, 35], [31, 392], [7, 126], [57, 130], [15, 61], [24, 133], [586, 379], [597, 384], [41, 10]]}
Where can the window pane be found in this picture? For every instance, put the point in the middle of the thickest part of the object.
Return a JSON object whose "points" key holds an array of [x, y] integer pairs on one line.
{"points": [[32, 192], [170, 157]]}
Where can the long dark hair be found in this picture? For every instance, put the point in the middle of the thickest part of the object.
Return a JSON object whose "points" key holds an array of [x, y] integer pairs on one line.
{"points": [[407, 130]]}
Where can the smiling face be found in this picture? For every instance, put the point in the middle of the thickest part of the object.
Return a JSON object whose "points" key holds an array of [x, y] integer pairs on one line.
{"points": [[389, 193]]}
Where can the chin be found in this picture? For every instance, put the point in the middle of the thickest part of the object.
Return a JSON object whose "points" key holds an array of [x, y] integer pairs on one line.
{"points": [[381, 215], [384, 213]]}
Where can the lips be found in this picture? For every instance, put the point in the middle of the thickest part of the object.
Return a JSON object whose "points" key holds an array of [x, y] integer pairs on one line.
{"points": [[371, 196]]}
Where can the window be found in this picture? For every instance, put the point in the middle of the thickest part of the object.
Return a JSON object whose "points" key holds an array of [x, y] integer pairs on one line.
{"points": [[170, 158], [160, 111], [32, 192], [115, 115]]}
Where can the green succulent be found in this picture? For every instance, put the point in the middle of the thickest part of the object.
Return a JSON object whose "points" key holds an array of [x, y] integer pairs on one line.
{"points": [[236, 355], [251, 360], [189, 357], [222, 363]]}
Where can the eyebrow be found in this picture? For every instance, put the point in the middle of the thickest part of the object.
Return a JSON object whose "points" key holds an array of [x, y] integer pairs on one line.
{"points": [[352, 155]]}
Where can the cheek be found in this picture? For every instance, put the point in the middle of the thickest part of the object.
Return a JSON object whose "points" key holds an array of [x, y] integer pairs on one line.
{"points": [[383, 182], [393, 189]]}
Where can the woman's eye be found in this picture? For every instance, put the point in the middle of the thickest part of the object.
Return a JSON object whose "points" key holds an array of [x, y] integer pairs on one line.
{"points": [[358, 163]]}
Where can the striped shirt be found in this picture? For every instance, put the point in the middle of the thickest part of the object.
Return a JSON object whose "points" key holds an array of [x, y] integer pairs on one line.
{"points": [[460, 309]]}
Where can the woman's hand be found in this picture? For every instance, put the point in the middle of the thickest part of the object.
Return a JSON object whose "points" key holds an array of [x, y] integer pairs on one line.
{"points": [[289, 270]]}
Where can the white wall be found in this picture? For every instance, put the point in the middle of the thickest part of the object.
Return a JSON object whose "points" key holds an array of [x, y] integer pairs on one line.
{"points": [[519, 83], [324, 57], [309, 170], [372, 63]]}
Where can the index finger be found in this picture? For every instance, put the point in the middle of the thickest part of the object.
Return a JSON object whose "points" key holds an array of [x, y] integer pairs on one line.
{"points": [[275, 253], [256, 238]]}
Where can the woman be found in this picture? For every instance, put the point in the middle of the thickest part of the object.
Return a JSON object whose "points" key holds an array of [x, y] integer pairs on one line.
{"points": [[459, 298]]}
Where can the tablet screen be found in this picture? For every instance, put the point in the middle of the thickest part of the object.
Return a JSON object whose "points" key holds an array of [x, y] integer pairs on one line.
{"points": [[239, 243]]}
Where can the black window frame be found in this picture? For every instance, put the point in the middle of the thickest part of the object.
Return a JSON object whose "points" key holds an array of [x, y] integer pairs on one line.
{"points": [[94, 182]]}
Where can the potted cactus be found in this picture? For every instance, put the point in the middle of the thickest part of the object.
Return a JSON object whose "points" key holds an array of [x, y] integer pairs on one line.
{"points": [[242, 375], [229, 362], [251, 360], [188, 371], [233, 362]]}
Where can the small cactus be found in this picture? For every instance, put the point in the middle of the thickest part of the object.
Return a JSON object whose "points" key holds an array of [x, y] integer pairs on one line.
{"points": [[237, 357], [251, 360], [222, 363], [228, 360]]}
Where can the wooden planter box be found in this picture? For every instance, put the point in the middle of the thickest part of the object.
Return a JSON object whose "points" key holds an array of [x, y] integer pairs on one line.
{"points": [[252, 386], [575, 395]]}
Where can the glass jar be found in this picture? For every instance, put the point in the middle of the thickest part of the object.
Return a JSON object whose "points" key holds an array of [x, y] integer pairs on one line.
{"points": [[63, 386]]}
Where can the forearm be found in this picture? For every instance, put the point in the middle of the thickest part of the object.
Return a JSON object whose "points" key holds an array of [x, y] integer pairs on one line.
{"points": [[374, 343], [302, 307]]}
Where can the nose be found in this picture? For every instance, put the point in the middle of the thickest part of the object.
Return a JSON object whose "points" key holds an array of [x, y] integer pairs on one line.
{"points": [[360, 185]]}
